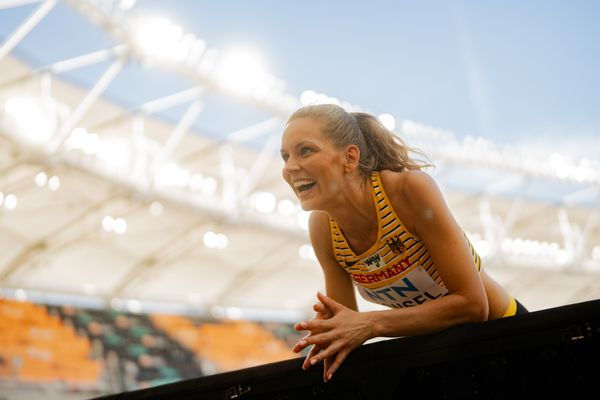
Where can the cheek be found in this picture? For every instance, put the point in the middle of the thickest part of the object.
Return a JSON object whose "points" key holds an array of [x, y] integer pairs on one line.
{"points": [[333, 185]]}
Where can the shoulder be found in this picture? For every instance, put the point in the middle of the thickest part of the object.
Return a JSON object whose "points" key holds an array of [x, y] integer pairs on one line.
{"points": [[318, 220], [321, 240], [414, 195], [410, 188], [319, 230]]}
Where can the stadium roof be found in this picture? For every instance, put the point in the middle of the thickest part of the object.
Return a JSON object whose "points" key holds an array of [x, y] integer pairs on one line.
{"points": [[138, 207]]}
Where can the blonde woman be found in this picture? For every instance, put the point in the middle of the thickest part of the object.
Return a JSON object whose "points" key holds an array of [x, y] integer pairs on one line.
{"points": [[380, 224]]}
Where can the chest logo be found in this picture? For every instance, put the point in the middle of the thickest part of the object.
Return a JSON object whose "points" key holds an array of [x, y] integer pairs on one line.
{"points": [[350, 264], [373, 260], [395, 244]]}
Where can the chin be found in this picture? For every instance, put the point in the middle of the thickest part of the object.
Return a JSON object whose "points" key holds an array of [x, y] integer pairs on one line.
{"points": [[311, 205], [306, 206]]}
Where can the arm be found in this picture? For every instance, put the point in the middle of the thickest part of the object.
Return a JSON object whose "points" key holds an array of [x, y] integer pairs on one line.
{"points": [[417, 199], [431, 220], [338, 284]]}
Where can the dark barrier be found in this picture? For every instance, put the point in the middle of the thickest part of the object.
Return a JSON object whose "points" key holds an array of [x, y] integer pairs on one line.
{"points": [[553, 353]]}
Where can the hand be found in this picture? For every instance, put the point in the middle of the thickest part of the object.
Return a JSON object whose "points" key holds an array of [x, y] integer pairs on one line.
{"points": [[334, 337], [321, 312]]}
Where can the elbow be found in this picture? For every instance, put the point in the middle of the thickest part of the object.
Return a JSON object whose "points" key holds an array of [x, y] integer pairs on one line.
{"points": [[482, 313], [476, 310], [479, 311]]}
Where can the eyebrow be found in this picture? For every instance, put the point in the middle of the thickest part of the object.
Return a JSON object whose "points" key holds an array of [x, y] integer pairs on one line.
{"points": [[300, 144], [303, 143]]}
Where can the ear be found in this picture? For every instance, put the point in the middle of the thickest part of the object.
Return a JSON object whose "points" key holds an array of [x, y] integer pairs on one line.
{"points": [[352, 158]]}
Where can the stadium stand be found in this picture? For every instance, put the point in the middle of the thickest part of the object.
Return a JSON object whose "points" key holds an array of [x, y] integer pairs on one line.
{"points": [[102, 351], [36, 347]]}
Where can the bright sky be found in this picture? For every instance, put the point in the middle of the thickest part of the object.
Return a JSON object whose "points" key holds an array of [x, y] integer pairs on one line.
{"points": [[512, 71]]}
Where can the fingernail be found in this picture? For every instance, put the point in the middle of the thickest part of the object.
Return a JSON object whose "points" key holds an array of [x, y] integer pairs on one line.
{"points": [[313, 361], [302, 343], [329, 377]]}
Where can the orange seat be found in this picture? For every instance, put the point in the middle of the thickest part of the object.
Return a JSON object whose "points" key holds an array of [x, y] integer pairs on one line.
{"points": [[40, 348]]}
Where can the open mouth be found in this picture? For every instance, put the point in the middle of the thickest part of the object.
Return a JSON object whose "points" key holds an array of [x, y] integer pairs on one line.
{"points": [[304, 185]]}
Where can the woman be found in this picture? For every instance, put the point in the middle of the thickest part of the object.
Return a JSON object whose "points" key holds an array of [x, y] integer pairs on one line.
{"points": [[381, 224]]}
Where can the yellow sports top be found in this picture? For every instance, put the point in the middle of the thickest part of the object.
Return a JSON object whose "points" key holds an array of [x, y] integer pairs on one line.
{"points": [[397, 270]]}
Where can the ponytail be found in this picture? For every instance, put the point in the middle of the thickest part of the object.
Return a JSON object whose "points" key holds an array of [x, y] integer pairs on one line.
{"points": [[385, 150], [379, 147]]}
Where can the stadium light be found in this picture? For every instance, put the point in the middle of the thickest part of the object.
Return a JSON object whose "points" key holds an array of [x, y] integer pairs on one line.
{"points": [[265, 202], [158, 38], [388, 121], [41, 179], [242, 70], [35, 119]]}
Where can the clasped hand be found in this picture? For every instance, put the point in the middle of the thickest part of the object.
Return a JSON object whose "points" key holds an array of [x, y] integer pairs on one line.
{"points": [[334, 332]]}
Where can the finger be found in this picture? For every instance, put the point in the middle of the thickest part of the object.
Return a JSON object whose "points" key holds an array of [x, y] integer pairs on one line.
{"points": [[329, 302], [314, 325], [322, 310], [321, 338], [326, 365], [326, 352], [301, 344], [313, 352], [339, 359], [300, 326]]}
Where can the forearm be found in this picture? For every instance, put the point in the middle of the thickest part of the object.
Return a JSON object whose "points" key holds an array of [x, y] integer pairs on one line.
{"points": [[430, 317]]}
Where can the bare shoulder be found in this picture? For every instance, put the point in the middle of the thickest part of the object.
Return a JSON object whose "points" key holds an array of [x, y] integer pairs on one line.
{"points": [[409, 188], [318, 227], [411, 194], [318, 220]]}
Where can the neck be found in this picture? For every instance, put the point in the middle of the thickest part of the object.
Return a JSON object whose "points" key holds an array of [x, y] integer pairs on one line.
{"points": [[355, 212]]}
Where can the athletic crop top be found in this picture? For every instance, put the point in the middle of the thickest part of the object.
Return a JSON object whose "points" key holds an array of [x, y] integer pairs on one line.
{"points": [[397, 270]]}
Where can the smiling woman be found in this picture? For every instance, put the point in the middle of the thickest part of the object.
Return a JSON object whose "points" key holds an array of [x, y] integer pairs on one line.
{"points": [[380, 224]]}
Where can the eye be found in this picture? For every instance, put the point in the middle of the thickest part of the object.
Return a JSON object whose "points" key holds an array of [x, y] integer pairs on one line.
{"points": [[285, 157], [304, 151]]}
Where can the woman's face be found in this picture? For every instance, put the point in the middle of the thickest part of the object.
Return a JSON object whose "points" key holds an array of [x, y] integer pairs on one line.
{"points": [[313, 166]]}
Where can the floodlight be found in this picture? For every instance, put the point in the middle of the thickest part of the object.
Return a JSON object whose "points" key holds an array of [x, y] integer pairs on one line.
{"points": [[241, 70], [32, 118], [126, 4], [120, 226], [158, 38], [41, 179], [388, 121], [265, 202], [214, 240], [108, 223], [54, 183], [10, 201]]}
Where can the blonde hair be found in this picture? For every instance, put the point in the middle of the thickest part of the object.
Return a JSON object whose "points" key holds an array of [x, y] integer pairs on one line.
{"points": [[379, 148]]}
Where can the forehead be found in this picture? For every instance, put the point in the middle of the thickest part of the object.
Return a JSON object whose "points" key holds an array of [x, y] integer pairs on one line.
{"points": [[302, 129]]}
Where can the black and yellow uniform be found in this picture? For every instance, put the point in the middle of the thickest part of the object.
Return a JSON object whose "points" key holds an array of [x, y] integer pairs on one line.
{"points": [[397, 270]]}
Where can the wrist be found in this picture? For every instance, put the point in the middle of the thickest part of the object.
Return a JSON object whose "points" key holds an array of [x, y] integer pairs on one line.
{"points": [[373, 324]]}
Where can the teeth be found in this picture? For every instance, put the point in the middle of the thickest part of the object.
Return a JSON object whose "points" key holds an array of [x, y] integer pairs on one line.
{"points": [[302, 182]]}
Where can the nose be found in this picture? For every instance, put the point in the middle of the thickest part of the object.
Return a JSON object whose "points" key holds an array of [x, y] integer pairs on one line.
{"points": [[289, 168], [291, 165]]}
